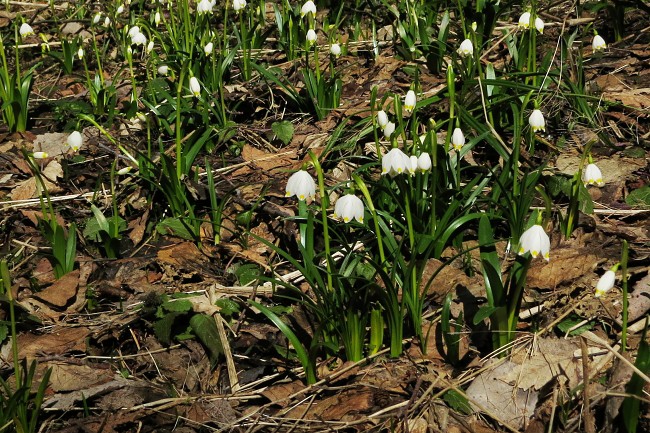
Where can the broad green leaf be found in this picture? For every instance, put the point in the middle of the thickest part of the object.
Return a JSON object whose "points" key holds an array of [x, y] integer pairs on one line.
{"points": [[483, 313], [283, 130], [639, 197], [457, 402], [174, 227], [206, 330]]}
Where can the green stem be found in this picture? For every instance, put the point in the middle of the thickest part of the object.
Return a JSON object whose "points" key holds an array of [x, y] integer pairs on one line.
{"points": [[323, 207], [624, 259]]}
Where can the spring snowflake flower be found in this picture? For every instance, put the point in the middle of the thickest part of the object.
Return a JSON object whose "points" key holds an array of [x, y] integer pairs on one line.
{"points": [[40, 155], [413, 164], [395, 162], [156, 18], [208, 48], [80, 53], [605, 283], [458, 139], [466, 48], [302, 185], [592, 175], [107, 22], [598, 44], [238, 5], [138, 39], [163, 70], [335, 50], [150, 46], [25, 30], [204, 7], [389, 129], [536, 121], [524, 21], [75, 140], [195, 87], [410, 100], [382, 119], [134, 31], [123, 171], [424, 162], [311, 36], [119, 10], [536, 241], [308, 7], [539, 24], [97, 17], [349, 207]]}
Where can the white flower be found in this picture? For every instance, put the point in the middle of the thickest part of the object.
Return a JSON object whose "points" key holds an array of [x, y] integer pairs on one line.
{"points": [[302, 185], [134, 31], [410, 100], [605, 283], [107, 22], [311, 36], [335, 50], [26, 30], [75, 140], [458, 139], [163, 70], [204, 7], [149, 47], [413, 164], [195, 87], [97, 17], [238, 5], [349, 207], [308, 7], [120, 9], [466, 48], [424, 161], [536, 241], [598, 43], [389, 129], [80, 53], [536, 121], [524, 21], [395, 162], [138, 39], [208, 48], [592, 176], [156, 18], [39, 155], [539, 24], [123, 171], [382, 119]]}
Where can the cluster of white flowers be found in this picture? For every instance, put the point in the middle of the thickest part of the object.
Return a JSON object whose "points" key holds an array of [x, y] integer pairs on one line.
{"points": [[238, 5], [524, 22], [137, 37], [205, 6]]}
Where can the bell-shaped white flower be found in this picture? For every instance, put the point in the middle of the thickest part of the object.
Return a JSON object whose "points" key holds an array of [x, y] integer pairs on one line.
{"points": [[25, 30], [150, 46], [524, 21], [592, 175], [424, 162], [123, 171], [119, 10], [539, 24], [157, 18], [308, 7], [536, 121], [97, 17], [536, 241], [598, 43], [107, 22], [605, 283], [395, 162], [458, 139], [335, 50], [413, 164], [382, 119], [238, 5], [80, 53], [466, 48], [195, 87], [138, 39], [39, 155], [349, 207], [208, 48], [134, 31], [302, 185], [163, 70], [75, 140], [311, 36], [410, 100], [204, 7], [389, 129]]}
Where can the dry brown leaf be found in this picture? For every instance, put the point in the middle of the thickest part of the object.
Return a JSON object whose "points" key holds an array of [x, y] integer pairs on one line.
{"points": [[180, 254], [639, 301], [62, 291], [54, 143], [55, 343], [567, 264], [30, 188], [70, 377]]}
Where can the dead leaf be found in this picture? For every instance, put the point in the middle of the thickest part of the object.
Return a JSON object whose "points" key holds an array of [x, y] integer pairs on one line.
{"points": [[62, 291], [61, 341], [639, 301], [53, 143], [30, 188], [180, 254], [567, 264], [71, 377]]}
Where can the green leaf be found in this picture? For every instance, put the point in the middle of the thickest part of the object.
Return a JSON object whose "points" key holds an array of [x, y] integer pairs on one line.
{"points": [[181, 306], [572, 321], [163, 327], [630, 409], [283, 130], [639, 197], [206, 330], [228, 307], [483, 313], [247, 274], [174, 227], [457, 402]]}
